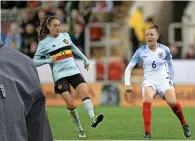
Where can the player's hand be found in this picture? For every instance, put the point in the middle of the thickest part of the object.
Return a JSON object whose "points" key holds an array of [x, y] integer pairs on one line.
{"points": [[128, 94], [87, 67], [129, 89], [86, 64]]}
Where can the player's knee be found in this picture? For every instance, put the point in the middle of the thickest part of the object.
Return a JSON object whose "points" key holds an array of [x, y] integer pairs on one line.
{"points": [[70, 105], [147, 99], [83, 91], [171, 103], [84, 95]]}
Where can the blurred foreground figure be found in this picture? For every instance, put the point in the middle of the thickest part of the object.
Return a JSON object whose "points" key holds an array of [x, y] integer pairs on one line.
{"points": [[22, 103]]}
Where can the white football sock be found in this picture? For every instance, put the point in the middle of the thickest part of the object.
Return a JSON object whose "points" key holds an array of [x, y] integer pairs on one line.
{"points": [[75, 118], [88, 106]]}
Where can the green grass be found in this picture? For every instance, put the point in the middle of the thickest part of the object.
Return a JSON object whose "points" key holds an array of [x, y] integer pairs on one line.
{"points": [[121, 123]]}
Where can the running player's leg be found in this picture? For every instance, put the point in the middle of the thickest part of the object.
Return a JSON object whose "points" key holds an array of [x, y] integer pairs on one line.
{"points": [[62, 87], [72, 111], [170, 97], [78, 83], [148, 92]]}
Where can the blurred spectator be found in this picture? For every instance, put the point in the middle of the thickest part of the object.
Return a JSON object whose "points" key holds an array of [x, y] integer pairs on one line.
{"points": [[136, 22], [64, 28], [85, 8], [7, 4], [13, 38], [13, 45], [33, 4], [81, 20], [190, 53], [33, 48], [29, 44], [49, 7], [13, 4], [78, 36], [77, 17], [103, 6], [174, 51], [21, 4], [147, 24], [27, 18], [95, 32], [41, 14], [74, 14], [3, 36], [60, 15], [62, 5]]}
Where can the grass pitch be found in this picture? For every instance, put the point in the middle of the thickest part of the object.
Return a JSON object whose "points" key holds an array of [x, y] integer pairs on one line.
{"points": [[121, 123]]}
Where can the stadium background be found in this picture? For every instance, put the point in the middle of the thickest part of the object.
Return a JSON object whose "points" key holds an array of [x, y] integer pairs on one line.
{"points": [[108, 32]]}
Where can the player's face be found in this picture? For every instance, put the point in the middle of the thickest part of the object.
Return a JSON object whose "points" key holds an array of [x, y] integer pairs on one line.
{"points": [[151, 36], [54, 27]]}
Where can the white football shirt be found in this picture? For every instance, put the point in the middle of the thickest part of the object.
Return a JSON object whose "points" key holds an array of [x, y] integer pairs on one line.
{"points": [[156, 64]]}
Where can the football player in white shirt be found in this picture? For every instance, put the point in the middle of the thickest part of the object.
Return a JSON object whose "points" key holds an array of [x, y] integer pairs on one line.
{"points": [[158, 78]]}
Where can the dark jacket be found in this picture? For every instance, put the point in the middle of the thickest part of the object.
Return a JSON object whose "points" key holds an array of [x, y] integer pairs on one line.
{"points": [[22, 103]]}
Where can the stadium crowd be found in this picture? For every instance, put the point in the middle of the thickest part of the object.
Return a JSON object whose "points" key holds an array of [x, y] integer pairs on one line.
{"points": [[21, 34]]}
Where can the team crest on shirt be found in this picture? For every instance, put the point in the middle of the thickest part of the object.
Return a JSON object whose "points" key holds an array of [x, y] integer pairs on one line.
{"points": [[66, 41], [60, 86], [160, 55]]}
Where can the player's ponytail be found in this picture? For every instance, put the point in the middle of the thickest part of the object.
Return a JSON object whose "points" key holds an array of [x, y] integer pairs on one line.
{"points": [[44, 31]]}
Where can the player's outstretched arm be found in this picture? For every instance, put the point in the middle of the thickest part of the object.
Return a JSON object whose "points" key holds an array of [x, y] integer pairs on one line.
{"points": [[79, 53], [129, 68]]}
